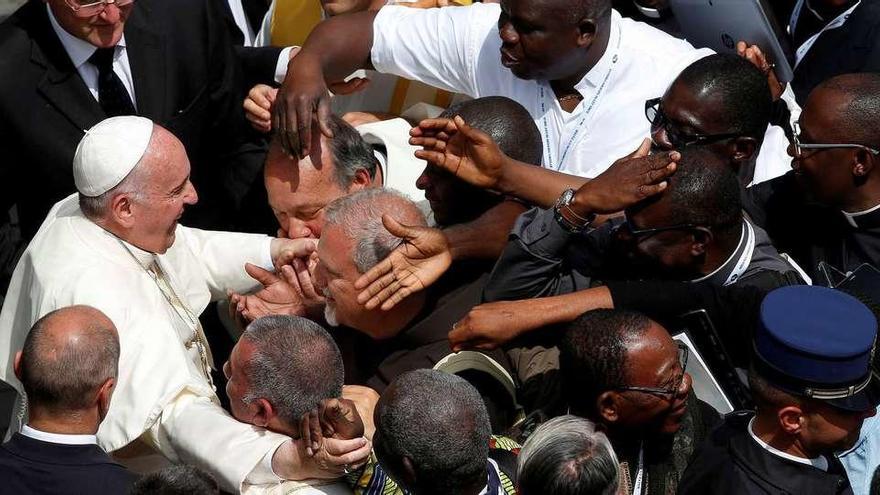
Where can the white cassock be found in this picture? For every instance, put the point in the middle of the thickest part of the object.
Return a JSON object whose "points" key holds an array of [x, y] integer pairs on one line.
{"points": [[163, 396]]}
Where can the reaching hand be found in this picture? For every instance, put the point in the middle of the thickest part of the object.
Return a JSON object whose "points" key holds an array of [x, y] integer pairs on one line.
{"points": [[628, 181], [258, 107], [303, 97], [283, 295], [755, 55], [491, 325], [469, 154], [284, 250], [333, 418], [417, 263]]}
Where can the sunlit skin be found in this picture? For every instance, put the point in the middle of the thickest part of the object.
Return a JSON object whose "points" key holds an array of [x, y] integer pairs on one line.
{"points": [[103, 30]]}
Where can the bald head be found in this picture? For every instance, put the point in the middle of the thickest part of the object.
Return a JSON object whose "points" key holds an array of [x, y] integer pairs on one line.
{"points": [[67, 357], [852, 103]]}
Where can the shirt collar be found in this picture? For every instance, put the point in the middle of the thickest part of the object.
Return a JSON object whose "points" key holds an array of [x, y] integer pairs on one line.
{"points": [[865, 218], [595, 76], [719, 275], [58, 437], [817, 462], [78, 50]]}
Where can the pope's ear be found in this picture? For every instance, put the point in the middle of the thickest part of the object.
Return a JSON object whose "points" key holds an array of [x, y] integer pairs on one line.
{"points": [[121, 209]]}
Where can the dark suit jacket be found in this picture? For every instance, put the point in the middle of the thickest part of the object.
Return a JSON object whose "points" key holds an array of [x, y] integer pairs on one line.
{"points": [[853, 47], [29, 466], [185, 78], [258, 63]]}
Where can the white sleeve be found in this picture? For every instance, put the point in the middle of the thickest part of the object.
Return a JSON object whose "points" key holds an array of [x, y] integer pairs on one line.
{"points": [[439, 47], [223, 256], [196, 430]]}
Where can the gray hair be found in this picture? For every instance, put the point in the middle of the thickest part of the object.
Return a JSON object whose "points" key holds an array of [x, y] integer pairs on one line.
{"points": [[360, 216], [65, 376], [350, 153], [567, 456], [176, 479], [95, 207], [454, 453], [295, 365]]}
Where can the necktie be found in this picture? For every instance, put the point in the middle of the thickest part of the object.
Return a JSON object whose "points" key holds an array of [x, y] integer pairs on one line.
{"points": [[112, 95]]}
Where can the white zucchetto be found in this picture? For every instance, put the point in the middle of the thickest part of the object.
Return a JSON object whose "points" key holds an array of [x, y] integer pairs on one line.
{"points": [[108, 152]]}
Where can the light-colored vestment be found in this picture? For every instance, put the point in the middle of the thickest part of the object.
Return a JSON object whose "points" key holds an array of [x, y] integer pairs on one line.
{"points": [[163, 397]]}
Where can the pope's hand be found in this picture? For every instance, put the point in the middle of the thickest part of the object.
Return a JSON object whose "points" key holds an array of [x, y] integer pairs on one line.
{"points": [[284, 251], [291, 293], [332, 460], [414, 265], [469, 154]]}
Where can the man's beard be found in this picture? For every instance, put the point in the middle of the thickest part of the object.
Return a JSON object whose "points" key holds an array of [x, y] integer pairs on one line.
{"points": [[330, 315]]}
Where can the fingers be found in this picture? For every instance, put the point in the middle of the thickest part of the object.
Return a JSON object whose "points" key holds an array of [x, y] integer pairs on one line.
{"points": [[428, 143], [648, 190], [324, 115], [352, 452], [300, 272], [262, 276], [653, 176], [395, 297], [348, 87], [468, 131], [397, 229], [435, 126], [376, 279], [436, 158]]}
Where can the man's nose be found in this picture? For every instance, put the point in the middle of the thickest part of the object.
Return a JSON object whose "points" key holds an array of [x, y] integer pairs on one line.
{"points": [[191, 197], [507, 33], [423, 181], [111, 13]]}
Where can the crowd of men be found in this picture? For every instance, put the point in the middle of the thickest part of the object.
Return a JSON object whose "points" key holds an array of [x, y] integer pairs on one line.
{"points": [[527, 247]]}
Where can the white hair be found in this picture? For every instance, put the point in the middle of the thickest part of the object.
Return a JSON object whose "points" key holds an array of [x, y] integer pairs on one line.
{"points": [[567, 456], [360, 216]]}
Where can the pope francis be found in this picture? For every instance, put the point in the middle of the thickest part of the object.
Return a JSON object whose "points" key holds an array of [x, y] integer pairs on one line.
{"points": [[117, 246]]}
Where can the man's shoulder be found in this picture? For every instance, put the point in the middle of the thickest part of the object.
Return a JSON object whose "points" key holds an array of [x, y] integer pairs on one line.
{"points": [[17, 33]]}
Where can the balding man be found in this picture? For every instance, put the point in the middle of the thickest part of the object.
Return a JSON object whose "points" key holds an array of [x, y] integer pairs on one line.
{"points": [[116, 245], [68, 369]]}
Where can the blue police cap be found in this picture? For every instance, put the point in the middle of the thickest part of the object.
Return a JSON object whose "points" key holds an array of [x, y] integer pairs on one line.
{"points": [[818, 342]]}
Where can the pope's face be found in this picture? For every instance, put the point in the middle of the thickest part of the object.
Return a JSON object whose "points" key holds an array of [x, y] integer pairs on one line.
{"points": [[103, 30], [158, 208]]}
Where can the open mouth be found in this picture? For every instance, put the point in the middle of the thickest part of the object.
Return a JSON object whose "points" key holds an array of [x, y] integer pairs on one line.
{"points": [[507, 59]]}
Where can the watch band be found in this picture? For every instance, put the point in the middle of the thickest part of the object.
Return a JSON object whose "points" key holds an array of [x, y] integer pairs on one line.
{"points": [[566, 217]]}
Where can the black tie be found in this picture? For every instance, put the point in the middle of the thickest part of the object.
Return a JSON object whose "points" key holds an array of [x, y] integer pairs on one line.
{"points": [[112, 95]]}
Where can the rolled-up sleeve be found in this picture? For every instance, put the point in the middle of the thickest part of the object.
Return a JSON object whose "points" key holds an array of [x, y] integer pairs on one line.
{"points": [[439, 47]]}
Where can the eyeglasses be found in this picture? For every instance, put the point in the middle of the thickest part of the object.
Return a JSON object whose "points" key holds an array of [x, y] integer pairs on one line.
{"points": [[666, 393], [799, 147], [677, 138], [94, 8], [626, 230]]}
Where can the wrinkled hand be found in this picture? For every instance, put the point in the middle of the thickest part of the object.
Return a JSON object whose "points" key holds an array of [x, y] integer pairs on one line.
{"points": [[333, 418], [755, 55], [303, 97], [491, 325], [628, 181], [258, 107], [280, 295], [469, 154], [414, 265], [330, 461], [284, 250]]}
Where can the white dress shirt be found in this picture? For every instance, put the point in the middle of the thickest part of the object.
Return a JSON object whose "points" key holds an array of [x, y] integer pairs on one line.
{"points": [[241, 21], [79, 52], [817, 462], [457, 49], [64, 439]]}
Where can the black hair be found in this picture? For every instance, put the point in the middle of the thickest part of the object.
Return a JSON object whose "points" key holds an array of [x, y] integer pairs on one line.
{"points": [[507, 122], [592, 355], [704, 191], [857, 120], [177, 480]]}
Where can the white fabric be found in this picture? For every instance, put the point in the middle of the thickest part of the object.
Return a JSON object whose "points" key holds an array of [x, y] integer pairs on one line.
{"points": [[241, 21], [306, 487], [400, 168], [108, 152], [64, 439], [281, 65], [852, 217], [457, 49], [79, 52], [162, 395], [817, 462]]}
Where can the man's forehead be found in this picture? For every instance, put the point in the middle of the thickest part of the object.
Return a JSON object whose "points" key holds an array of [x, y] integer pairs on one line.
{"points": [[335, 249]]}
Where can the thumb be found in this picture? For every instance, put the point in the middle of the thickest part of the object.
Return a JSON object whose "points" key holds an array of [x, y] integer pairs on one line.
{"points": [[397, 229], [643, 150], [468, 131], [262, 276]]}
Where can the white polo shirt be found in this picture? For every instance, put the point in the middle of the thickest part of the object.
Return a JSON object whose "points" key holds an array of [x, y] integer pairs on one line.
{"points": [[457, 49]]}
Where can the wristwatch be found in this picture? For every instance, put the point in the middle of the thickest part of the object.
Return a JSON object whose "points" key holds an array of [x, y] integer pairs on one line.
{"points": [[568, 219]]}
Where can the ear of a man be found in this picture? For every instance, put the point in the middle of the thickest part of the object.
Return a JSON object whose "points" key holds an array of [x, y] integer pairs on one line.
{"points": [[790, 419], [607, 407], [16, 365], [105, 393], [122, 210]]}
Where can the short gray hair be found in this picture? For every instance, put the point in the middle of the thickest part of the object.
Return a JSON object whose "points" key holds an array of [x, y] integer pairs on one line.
{"points": [[95, 207], [66, 377], [567, 456], [360, 216], [438, 421], [350, 153], [295, 365]]}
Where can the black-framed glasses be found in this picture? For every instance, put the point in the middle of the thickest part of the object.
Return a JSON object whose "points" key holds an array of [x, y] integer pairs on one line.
{"points": [[626, 230], [677, 138], [799, 147], [666, 393], [94, 8]]}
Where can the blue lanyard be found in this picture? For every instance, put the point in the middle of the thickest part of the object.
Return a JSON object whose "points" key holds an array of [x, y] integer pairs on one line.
{"points": [[586, 113]]}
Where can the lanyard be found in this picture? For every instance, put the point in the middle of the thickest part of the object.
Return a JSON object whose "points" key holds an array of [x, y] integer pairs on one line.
{"points": [[548, 151], [743, 263], [640, 472], [805, 47]]}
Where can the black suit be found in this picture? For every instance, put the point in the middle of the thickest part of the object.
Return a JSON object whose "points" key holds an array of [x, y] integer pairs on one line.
{"points": [[258, 63], [853, 47], [185, 78], [30, 466]]}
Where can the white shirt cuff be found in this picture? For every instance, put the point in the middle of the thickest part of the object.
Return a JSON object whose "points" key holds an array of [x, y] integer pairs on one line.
{"points": [[281, 66], [267, 263], [263, 474]]}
